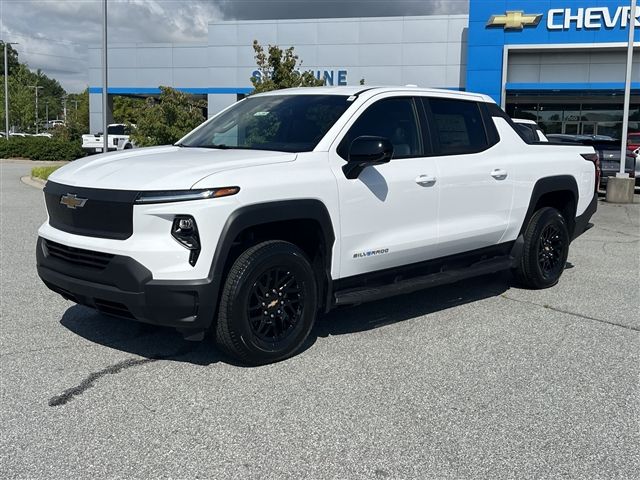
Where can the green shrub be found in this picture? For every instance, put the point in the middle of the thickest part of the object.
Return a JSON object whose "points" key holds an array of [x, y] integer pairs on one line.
{"points": [[43, 172], [40, 148]]}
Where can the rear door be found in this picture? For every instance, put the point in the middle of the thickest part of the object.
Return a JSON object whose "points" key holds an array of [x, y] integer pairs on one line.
{"points": [[475, 188]]}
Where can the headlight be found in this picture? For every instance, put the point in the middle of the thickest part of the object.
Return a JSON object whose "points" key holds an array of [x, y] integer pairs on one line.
{"points": [[185, 231], [184, 195]]}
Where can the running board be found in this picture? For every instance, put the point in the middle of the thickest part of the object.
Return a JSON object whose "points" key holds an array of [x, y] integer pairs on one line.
{"points": [[366, 294]]}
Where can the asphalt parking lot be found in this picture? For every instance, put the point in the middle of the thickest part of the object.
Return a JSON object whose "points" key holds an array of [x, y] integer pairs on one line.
{"points": [[475, 380]]}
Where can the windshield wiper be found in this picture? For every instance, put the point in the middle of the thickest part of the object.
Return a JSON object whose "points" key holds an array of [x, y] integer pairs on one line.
{"points": [[181, 145]]}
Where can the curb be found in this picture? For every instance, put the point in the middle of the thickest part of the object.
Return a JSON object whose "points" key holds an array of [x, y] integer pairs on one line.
{"points": [[33, 182]]}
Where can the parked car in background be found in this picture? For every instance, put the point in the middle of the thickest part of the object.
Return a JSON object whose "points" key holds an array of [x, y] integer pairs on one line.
{"points": [[43, 134], [636, 153], [118, 137], [633, 141], [608, 150], [530, 129], [54, 123], [567, 138]]}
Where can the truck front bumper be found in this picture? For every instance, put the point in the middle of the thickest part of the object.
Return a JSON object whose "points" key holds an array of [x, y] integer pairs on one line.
{"points": [[120, 286]]}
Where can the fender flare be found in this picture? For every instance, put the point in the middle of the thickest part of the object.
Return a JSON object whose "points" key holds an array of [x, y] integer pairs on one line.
{"points": [[269, 212], [557, 183]]}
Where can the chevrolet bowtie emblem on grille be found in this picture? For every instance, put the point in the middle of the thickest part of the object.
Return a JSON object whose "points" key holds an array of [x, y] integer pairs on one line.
{"points": [[71, 200], [514, 20]]}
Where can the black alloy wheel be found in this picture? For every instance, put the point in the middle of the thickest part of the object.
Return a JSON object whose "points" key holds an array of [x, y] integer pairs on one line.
{"points": [[550, 251], [275, 305], [268, 304], [545, 250]]}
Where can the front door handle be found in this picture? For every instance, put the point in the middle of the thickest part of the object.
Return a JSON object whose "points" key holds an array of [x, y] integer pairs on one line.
{"points": [[499, 174], [425, 180]]}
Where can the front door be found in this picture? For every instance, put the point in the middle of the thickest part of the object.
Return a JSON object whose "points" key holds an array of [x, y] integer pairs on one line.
{"points": [[476, 188], [388, 215]]}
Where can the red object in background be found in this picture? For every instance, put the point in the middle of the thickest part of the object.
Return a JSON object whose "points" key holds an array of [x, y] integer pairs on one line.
{"points": [[633, 141]]}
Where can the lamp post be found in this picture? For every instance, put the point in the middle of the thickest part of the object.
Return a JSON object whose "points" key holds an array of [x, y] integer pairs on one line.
{"points": [[627, 90], [105, 99], [6, 86], [620, 188], [36, 87], [46, 109]]}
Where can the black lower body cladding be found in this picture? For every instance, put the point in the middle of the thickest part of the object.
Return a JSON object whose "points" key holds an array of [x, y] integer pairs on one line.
{"points": [[125, 288], [582, 221]]}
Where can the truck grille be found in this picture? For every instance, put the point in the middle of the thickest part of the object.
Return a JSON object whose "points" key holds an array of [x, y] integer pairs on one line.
{"points": [[78, 256], [93, 212]]}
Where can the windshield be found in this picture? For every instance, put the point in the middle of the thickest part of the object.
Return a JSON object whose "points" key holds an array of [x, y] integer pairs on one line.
{"points": [[287, 123]]}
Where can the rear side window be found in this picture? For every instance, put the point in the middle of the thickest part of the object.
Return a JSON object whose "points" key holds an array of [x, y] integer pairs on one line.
{"points": [[392, 118], [528, 131], [457, 126], [115, 130]]}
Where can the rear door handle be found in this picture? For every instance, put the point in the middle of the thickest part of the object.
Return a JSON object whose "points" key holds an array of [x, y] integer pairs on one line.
{"points": [[425, 180], [499, 174]]}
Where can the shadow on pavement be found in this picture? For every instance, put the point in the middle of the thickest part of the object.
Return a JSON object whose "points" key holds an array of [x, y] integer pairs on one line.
{"points": [[405, 307], [167, 344], [141, 339]]}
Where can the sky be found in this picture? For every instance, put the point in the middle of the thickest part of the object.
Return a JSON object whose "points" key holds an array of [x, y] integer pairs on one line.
{"points": [[53, 35]]}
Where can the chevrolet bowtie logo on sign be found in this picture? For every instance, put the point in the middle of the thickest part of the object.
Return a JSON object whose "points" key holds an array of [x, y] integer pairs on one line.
{"points": [[514, 20], [71, 200]]}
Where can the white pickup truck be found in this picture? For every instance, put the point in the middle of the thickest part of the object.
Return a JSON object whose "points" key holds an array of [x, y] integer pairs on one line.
{"points": [[294, 202], [118, 136]]}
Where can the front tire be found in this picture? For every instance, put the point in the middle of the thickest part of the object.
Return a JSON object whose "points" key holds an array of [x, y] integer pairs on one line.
{"points": [[268, 304], [546, 247]]}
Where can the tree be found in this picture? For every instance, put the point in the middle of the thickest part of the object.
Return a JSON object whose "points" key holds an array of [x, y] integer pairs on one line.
{"points": [[77, 121], [165, 120], [22, 104], [22, 97], [280, 69], [127, 109], [12, 59]]}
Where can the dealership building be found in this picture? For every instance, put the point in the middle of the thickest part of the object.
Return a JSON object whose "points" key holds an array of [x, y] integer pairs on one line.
{"points": [[559, 62]]}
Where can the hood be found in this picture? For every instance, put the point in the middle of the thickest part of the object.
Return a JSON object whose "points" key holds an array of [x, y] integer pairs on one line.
{"points": [[159, 168]]}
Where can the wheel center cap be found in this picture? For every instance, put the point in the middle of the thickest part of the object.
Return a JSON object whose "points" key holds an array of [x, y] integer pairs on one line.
{"points": [[272, 304]]}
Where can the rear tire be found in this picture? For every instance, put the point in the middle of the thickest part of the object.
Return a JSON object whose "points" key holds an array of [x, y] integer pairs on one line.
{"points": [[268, 304], [546, 247]]}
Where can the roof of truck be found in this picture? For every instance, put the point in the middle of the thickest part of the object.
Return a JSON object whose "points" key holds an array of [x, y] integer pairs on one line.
{"points": [[372, 90]]}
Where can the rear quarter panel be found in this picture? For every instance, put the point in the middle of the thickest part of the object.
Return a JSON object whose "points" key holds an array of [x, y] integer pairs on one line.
{"points": [[532, 162]]}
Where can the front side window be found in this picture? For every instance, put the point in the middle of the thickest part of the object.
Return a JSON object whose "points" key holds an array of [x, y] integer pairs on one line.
{"points": [[287, 123], [392, 118], [458, 126]]}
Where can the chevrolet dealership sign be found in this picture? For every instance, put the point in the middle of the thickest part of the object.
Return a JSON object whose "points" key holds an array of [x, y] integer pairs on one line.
{"points": [[589, 18], [568, 18], [514, 20]]}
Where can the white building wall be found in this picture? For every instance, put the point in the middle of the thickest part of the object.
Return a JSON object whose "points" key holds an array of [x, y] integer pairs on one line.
{"points": [[423, 50]]}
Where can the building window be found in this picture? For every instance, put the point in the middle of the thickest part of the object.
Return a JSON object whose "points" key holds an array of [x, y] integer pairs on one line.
{"points": [[587, 118]]}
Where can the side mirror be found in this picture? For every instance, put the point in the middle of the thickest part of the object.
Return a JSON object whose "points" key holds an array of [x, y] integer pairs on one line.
{"points": [[366, 151]]}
